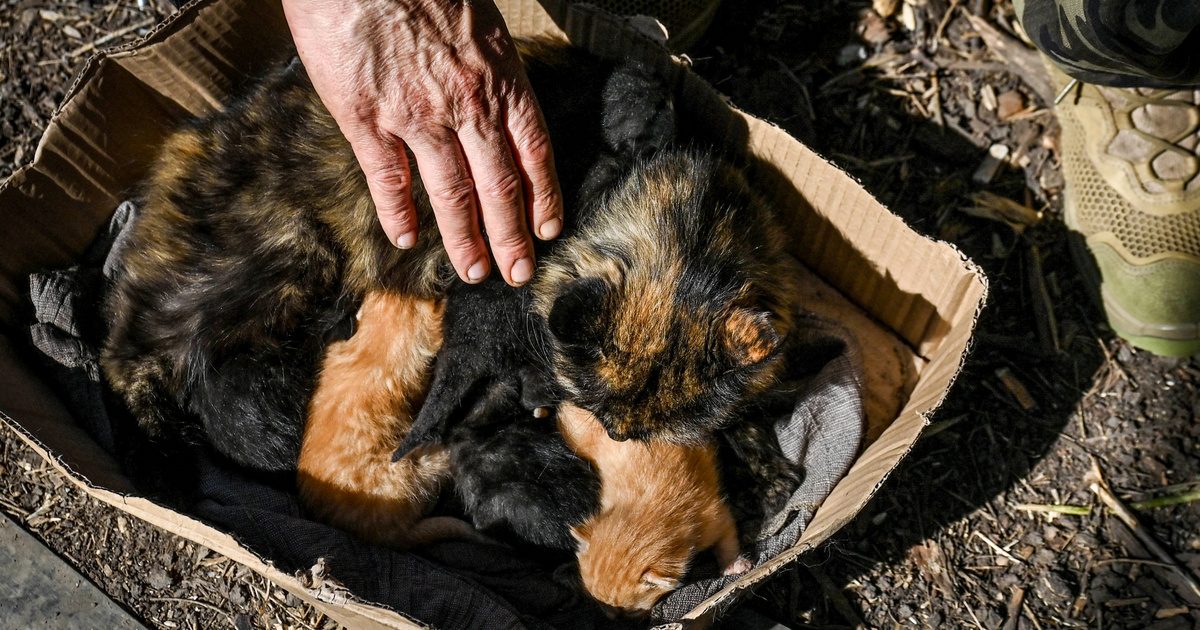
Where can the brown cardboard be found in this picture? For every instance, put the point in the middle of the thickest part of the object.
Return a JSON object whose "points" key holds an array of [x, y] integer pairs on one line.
{"points": [[911, 299]]}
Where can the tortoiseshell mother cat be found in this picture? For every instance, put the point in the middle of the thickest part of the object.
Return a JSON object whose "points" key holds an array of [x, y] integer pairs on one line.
{"points": [[257, 235]]}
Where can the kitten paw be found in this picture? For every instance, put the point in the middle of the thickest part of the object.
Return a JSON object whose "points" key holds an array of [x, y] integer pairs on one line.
{"points": [[739, 566]]}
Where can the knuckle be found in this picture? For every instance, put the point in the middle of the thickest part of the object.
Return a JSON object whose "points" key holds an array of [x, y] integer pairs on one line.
{"points": [[457, 193], [506, 188], [510, 239], [398, 216], [473, 99], [460, 245], [392, 182], [535, 146]]}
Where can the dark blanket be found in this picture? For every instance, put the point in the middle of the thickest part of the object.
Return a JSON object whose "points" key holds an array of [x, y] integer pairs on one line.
{"points": [[451, 584]]}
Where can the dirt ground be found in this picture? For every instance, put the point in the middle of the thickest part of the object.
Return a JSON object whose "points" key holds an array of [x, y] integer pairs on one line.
{"points": [[990, 523]]}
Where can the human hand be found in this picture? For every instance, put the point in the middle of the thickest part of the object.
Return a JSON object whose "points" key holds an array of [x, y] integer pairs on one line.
{"points": [[442, 77]]}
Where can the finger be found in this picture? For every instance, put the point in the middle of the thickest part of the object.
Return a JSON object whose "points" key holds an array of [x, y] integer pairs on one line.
{"points": [[501, 199], [452, 194], [535, 160], [389, 179]]}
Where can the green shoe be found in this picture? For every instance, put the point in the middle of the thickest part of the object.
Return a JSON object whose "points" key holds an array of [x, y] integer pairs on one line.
{"points": [[1132, 169]]}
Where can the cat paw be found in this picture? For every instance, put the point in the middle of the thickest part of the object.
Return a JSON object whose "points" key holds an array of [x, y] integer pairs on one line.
{"points": [[740, 565]]}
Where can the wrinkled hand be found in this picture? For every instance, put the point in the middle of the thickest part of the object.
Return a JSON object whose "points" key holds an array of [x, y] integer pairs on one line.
{"points": [[442, 77]]}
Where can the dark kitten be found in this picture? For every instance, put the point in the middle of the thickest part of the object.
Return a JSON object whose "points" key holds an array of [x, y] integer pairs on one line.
{"points": [[668, 307], [258, 234], [515, 475]]}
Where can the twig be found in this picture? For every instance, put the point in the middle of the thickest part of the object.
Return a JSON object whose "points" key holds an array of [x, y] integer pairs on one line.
{"points": [[1017, 389], [93, 45], [1073, 510], [1014, 608], [195, 602], [1043, 306], [937, 35], [997, 548], [935, 104], [1152, 563], [973, 617], [1030, 617], [1100, 487], [1158, 502]]}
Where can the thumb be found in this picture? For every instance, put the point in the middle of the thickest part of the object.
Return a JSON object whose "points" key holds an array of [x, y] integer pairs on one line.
{"points": [[384, 162]]}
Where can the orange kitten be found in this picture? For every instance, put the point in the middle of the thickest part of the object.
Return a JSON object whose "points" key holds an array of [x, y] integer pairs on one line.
{"points": [[369, 390], [660, 505]]}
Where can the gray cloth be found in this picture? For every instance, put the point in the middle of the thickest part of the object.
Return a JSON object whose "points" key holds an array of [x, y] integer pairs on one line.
{"points": [[452, 584]]}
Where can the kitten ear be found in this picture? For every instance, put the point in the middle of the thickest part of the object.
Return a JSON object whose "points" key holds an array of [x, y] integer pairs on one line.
{"points": [[580, 533], [577, 316], [658, 580], [749, 336]]}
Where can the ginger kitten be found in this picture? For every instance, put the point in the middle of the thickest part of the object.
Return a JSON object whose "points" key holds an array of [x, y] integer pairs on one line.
{"points": [[366, 396], [660, 505]]}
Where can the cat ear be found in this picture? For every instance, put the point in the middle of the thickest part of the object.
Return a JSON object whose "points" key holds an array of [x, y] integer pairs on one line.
{"points": [[749, 336], [580, 534], [658, 580], [577, 316]]}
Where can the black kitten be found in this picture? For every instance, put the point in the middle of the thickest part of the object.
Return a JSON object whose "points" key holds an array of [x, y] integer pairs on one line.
{"points": [[517, 478]]}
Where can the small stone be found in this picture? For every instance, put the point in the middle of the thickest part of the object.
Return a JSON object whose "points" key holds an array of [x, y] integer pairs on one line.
{"points": [[159, 579], [72, 32], [851, 54]]}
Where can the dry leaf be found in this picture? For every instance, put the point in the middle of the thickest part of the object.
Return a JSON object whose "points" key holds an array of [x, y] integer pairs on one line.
{"points": [[1009, 104]]}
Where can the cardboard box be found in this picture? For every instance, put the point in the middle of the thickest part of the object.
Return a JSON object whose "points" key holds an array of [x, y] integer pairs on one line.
{"points": [[917, 297]]}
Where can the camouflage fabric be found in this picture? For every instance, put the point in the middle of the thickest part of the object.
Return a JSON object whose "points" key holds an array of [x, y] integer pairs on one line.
{"points": [[1119, 43]]}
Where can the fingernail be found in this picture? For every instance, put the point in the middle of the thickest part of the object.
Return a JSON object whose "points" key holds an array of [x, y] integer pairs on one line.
{"points": [[476, 272], [521, 271], [550, 228], [406, 240]]}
